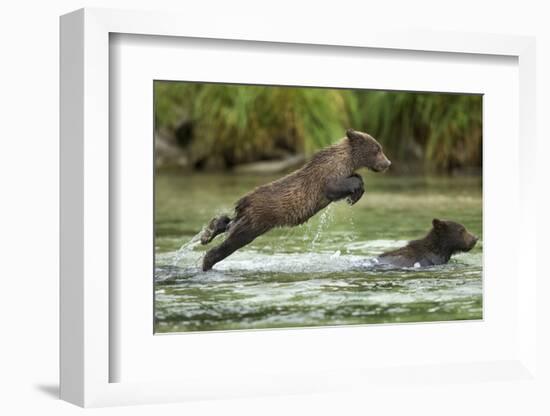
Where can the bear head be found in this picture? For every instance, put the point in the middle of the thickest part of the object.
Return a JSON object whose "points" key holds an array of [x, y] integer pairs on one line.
{"points": [[367, 152], [453, 236]]}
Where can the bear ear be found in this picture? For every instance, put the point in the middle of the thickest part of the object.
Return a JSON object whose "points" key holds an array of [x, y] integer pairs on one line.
{"points": [[352, 134], [437, 223]]}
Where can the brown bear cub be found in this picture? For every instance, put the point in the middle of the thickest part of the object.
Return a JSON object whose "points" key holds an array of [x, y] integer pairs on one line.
{"points": [[292, 200], [444, 239]]}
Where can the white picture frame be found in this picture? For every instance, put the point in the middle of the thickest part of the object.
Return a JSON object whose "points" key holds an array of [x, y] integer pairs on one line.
{"points": [[86, 356]]}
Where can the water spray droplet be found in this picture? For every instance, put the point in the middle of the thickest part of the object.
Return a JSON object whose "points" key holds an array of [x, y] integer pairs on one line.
{"points": [[326, 217], [186, 248]]}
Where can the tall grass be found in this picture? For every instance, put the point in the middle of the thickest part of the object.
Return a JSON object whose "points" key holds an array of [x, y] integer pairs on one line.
{"points": [[234, 124], [443, 129]]}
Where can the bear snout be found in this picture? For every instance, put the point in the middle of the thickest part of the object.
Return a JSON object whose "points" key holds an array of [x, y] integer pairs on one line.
{"points": [[382, 164], [472, 242]]}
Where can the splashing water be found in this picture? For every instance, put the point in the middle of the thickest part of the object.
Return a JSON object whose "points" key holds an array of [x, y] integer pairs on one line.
{"points": [[187, 248], [252, 289]]}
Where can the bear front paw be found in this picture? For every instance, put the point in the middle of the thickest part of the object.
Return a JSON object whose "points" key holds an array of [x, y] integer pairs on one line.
{"points": [[357, 190], [355, 196]]}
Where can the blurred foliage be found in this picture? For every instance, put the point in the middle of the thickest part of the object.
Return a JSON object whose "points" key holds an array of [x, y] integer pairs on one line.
{"points": [[232, 124], [443, 129]]}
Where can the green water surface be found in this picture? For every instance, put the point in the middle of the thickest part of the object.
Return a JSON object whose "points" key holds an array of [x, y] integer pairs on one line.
{"points": [[318, 273]]}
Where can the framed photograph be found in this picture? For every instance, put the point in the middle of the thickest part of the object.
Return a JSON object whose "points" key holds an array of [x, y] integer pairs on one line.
{"points": [[262, 213]]}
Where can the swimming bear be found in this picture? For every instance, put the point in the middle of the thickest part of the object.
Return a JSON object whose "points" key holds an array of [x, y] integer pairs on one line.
{"points": [[329, 176], [444, 239]]}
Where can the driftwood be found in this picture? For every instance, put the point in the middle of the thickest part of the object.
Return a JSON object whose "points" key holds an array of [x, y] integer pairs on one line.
{"points": [[271, 166]]}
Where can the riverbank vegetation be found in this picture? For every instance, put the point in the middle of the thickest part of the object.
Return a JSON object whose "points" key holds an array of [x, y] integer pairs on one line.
{"points": [[205, 126]]}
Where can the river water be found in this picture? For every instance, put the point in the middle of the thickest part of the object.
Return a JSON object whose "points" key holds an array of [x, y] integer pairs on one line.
{"points": [[318, 273]]}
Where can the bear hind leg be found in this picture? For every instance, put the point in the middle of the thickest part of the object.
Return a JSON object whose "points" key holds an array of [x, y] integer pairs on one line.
{"points": [[237, 238], [217, 225]]}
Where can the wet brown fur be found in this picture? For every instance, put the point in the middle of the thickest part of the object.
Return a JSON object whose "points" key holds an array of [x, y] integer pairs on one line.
{"points": [[442, 241], [295, 198]]}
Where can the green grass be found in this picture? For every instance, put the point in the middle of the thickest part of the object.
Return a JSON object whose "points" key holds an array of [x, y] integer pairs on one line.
{"points": [[234, 124]]}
